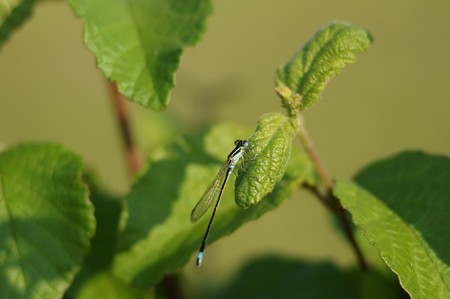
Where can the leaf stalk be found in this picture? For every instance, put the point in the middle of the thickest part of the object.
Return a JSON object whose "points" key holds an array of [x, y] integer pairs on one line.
{"points": [[134, 162], [132, 155]]}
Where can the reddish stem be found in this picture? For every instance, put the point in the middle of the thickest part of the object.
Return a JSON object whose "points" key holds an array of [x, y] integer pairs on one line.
{"points": [[133, 157], [134, 162]]}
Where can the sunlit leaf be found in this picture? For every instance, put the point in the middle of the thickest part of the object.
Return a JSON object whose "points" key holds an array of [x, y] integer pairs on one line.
{"points": [[105, 285], [404, 210], [138, 44], [46, 221], [321, 58], [268, 155]]}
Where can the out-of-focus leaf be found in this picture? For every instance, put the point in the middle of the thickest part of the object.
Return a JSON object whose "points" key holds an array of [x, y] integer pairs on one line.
{"points": [[158, 237], [12, 14], [404, 211], [46, 221], [283, 278], [278, 277], [138, 44], [105, 285], [374, 285], [108, 209]]}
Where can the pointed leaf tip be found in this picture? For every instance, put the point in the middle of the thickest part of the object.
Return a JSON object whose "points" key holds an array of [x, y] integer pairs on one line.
{"points": [[138, 44]]}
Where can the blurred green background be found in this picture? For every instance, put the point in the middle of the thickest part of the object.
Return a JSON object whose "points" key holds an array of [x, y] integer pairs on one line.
{"points": [[395, 97]]}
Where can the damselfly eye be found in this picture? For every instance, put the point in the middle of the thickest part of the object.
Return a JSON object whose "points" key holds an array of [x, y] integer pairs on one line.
{"points": [[237, 142]]}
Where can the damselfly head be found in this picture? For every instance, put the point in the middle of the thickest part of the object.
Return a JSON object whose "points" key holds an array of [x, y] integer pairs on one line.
{"points": [[241, 143]]}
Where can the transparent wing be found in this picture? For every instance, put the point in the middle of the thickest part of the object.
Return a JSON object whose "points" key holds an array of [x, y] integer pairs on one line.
{"points": [[203, 204]]}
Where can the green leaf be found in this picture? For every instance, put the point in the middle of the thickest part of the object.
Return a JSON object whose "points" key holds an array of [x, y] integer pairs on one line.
{"points": [[105, 285], [158, 237], [138, 44], [375, 285], [107, 214], [372, 255], [378, 281], [269, 151], [12, 14], [277, 277], [404, 212], [281, 277], [305, 76], [46, 220]]}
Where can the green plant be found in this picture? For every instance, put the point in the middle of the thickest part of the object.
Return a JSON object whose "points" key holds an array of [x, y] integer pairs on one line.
{"points": [[127, 246]]}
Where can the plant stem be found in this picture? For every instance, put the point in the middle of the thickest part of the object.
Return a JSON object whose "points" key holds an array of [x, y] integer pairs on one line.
{"points": [[133, 157], [173, 288], [329, 200], [309, 147]]}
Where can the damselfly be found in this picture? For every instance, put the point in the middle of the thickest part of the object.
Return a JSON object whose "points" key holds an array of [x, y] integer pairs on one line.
{"points": [[203, 204]]}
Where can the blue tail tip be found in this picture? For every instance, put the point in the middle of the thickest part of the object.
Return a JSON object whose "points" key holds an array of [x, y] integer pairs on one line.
{"points": [[199, 259]]}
